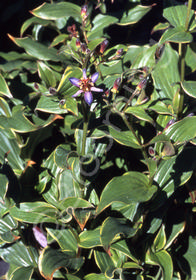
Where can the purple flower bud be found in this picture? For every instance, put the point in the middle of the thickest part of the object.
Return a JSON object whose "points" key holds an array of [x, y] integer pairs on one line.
{"points": [[151, 151], [36, 86], [78, 43], [119, 52], [83, 47], [170, 123], [40, 236], [142, 84], [190, 115], [52, 90], [103, 46], [83, 12]]}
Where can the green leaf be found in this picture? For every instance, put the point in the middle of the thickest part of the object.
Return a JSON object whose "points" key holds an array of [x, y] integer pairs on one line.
{"points": [[65, 87], [112, 229], [22, 273], [36, 49], [122, 246], [160, 240], [134, 15], [74, 202], [166, 74], [160, 26], [46, 74], [111, 68], [190, 57], [4, 108], [17, 122], [4, 185], [57, 10], [159, 107], [139, 113], [176, 15], [66, 238], [100, 22], [134, 187], [190, 88], [126, 138], [94, 43], [11, 146], [51, 260], [32, 21], [49, 104], [177, 229], [7, 227], [17, 253], [59, 39], [34, 212], [103, 261], [183, 130], [175, 171], [176, 35], [164, 260], [90, 238], [190, 256], [94, 276], [70, 104], [4, 89], [60, 156]]}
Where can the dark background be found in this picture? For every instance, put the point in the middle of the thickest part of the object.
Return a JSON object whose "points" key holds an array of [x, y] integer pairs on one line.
{"points": [[12, 15]]}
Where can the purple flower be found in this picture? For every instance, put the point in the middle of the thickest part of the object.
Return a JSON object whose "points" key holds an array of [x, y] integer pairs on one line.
{"points": [[86, 86]]}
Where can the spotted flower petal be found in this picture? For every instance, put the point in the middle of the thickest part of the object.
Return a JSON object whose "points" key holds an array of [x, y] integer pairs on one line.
{"points": [[94, 77], [96, 89], [77, 93], [88, 97], [75, 82]]}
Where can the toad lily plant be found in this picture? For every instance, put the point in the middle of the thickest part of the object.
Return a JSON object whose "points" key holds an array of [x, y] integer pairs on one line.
{"points": [[86, 86]]}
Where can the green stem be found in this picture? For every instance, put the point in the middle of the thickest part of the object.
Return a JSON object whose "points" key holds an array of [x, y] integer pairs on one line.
{"points": [[182, 52], [188, 14], [136, 137], [84, 136], [130, 99], [85, 129]]}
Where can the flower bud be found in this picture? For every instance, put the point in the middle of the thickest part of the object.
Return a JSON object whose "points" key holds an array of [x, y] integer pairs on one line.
{"points": [[142, 84], [83, 12], [72, 30], [151, 151], [52, 90], [119, 52], [103, 46], [170, 123], [83, 47], [116, 85], [36, 86], [78, 43]]}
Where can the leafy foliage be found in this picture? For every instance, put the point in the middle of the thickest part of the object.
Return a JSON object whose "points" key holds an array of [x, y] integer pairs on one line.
{"points": [[98, 145]]}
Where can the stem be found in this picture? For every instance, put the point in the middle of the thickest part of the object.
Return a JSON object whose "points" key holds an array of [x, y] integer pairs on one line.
{"points": [[135, 135], [85, 128], [84, 136], [130, 99], [182, 52], [188, 14], [84, 33]]}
